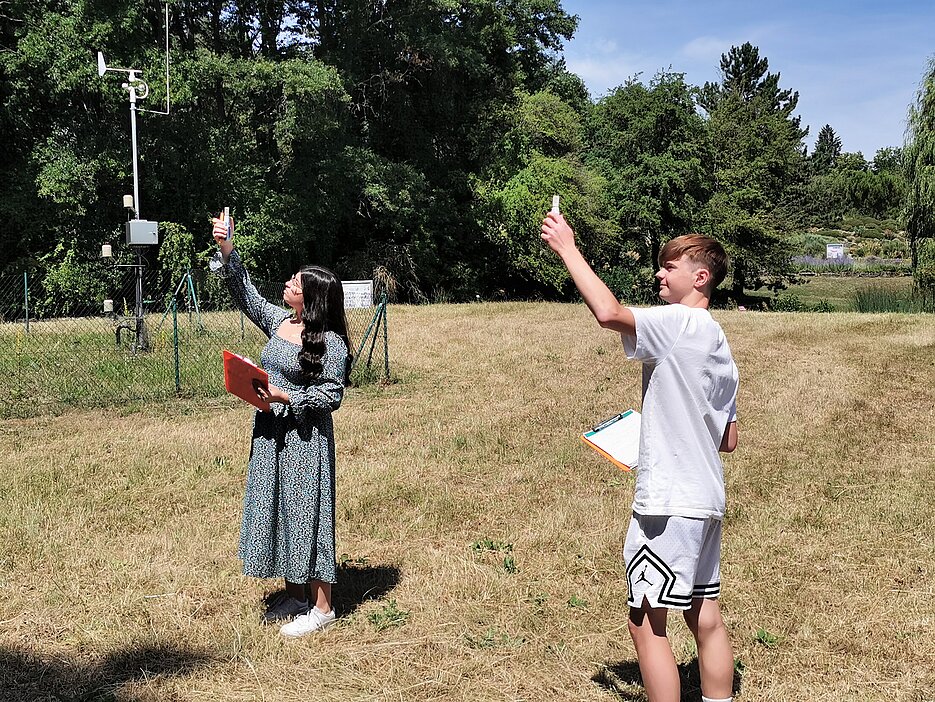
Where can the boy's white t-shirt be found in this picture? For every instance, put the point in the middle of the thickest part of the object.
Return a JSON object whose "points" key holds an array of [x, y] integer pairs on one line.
{"points": [[689, 396]]}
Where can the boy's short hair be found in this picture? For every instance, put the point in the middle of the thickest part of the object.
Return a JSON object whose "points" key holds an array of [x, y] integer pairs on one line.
{"points": [[699, 249]]}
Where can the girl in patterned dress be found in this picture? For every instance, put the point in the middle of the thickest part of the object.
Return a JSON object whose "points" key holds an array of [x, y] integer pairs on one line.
{"points": [[288, 514]]}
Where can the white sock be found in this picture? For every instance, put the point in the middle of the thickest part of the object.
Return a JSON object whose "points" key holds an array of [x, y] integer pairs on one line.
{"points": [[708, 699]]}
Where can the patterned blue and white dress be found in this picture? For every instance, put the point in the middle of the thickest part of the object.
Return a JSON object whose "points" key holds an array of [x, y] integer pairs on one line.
{"points": [[288, 508]]}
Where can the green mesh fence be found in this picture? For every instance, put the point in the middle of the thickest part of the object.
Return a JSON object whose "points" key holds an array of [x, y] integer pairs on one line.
{"points": [[59, 351]]}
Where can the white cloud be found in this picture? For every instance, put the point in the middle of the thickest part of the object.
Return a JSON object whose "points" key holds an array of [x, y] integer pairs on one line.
{"points": [[601, 74], [706, 49]]}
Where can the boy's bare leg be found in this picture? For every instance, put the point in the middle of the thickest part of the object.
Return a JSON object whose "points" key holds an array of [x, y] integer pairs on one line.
{"points": [[715, 657], [657, 664]]}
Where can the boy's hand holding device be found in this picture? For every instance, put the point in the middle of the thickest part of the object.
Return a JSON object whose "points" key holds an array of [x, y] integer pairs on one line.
{"points": [[555, 230]]}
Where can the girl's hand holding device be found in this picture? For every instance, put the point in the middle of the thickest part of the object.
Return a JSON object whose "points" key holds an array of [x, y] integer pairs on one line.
{"points": [[223, 232], [223, 227]]}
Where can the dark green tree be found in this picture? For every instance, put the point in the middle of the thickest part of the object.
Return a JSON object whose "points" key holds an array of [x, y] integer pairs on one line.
{"points": [[433, 87], [848, 161], [250, 128], [888, 160], [649, 143], [757, 157], [826, 152]]}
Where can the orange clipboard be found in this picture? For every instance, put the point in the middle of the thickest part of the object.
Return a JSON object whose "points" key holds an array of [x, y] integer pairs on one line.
{"points": [[617, 439], [242, 377]]}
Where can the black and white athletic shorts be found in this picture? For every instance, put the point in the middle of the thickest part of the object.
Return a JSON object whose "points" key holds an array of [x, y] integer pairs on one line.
{"points": [[672, 560]]}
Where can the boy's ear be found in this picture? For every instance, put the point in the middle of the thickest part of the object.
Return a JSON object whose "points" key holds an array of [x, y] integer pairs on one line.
{"points": [[702, 277]]}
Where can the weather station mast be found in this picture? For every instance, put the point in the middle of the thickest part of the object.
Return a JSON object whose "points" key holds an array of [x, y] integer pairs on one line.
{"points": [[139, 233]]}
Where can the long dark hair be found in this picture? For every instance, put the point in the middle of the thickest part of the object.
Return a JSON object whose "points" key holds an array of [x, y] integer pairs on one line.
{"points": [[323, 311]]}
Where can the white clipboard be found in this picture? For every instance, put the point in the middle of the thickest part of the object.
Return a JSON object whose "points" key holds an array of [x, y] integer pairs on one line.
{"points": [[617, 439]]}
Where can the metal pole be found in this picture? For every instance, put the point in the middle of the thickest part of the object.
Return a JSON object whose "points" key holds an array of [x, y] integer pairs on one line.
{"points": [[175, 294], [188, 299], [386, 343], [373, 342], [191, 288], [139, 301], [26, 295], [363, 342], [131, 87], [175, 344]]}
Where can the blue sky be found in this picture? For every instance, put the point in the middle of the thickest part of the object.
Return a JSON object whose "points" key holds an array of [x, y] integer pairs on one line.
{"points": [[856, 64]]}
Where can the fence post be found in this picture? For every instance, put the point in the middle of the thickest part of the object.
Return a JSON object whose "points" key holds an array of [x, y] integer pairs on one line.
{"points": [[26, 296], [386, 342], [175, 344]]}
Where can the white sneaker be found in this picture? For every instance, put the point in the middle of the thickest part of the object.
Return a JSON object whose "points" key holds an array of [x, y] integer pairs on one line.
{"points": [[308, 623], [284, 607]]}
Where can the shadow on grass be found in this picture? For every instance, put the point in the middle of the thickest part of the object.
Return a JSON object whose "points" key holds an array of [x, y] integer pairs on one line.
{"points": [[26, 675], [624, 680], [357, 583]]}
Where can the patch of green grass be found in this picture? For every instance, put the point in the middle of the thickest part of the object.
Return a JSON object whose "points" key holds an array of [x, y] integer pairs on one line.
{"points": [[839, 291], [882, 299], [388, 616], [765, 638], [77, 362], [487, 544]]}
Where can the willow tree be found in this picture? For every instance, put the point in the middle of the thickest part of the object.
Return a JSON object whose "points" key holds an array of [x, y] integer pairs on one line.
{"points": [[919, 163]]}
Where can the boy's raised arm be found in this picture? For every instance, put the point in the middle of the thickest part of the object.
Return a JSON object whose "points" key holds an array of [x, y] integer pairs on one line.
{"points": [[606, 309]]}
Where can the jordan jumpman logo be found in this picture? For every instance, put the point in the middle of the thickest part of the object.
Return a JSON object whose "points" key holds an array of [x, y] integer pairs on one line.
{"points": [[643, 578]]}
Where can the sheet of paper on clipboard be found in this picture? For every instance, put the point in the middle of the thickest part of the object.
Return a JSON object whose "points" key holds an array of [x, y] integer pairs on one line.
{"points": [[617, 439]]}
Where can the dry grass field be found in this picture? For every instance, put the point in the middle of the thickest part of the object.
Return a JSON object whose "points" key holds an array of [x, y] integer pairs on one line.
{"points": [[482, 539]]}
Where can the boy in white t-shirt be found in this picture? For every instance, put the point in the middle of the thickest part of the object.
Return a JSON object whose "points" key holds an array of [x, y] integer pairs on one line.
{"points": [[673, 544]]}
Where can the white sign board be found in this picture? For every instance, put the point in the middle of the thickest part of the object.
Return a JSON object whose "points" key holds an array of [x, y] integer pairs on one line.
{"points": [[834, 250], [357, 294]]}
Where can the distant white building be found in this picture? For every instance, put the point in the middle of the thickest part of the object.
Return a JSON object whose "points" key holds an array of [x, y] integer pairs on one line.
{"points": [[834, 250]]}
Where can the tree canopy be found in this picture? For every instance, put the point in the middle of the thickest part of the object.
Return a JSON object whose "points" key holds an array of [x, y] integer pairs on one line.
{"points": [[426, 137], [757, 155]]}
